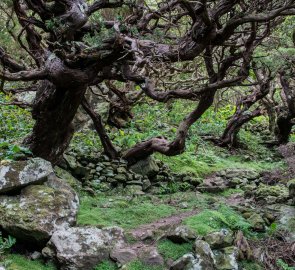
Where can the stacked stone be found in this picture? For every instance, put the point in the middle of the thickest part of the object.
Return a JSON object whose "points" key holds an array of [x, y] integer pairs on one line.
{"points": [[98, 172]]}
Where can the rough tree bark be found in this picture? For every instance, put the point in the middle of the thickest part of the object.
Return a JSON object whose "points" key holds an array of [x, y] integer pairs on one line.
{"points": [[69, 52], [286, 115], [243, 114]]}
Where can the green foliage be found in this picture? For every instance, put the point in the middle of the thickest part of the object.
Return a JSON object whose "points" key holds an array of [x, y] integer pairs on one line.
{"points": [[105, 211], [170, 250], [12, 151], [173, 187], [137, 265], [249, 265], [15, 123], [18, 262], [106, 265], [6, 243], [214, 220], [284, 266]]}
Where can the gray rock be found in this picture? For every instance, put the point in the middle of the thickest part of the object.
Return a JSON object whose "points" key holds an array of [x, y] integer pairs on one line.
{"points": [[123, 255], [71, 161], [213, 185], [83, 248], [186, 262], [39, 210], [66, 176], [181, 234], [204, 255], [120, 178], [36, 255], [121, 170], [134, 190], [221, 239], [146, 184], [18, 174], [257, 222], [146, 167], [150, 256], [98, 169], [226, 259]]}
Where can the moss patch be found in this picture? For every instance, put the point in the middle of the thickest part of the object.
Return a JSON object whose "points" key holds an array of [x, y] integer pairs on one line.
{"points": [[214, 220], [18, 262], [170, 250], [137, 265], [106, 211], [106, 265]]}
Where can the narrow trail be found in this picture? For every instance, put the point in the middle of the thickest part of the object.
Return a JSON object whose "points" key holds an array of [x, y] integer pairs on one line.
{"points": [[161, 224], [145, 237]]}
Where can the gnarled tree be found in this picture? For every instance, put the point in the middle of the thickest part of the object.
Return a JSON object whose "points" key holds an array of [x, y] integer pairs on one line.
{"points": [[244, 111], [286, 112], [72, 47]]}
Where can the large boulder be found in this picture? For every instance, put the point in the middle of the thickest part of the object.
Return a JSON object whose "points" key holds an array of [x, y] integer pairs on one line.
{"points": [[39, 210], [204, 255], [66, 176], [181, 234], [272, 194], [147, 167], [15, 175], [83, 248]]}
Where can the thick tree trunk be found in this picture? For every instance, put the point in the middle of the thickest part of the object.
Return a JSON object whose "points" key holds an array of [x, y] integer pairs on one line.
{"points": [[230, 134], [283, 129], [162, 145], [287, 114], [54, 110]]}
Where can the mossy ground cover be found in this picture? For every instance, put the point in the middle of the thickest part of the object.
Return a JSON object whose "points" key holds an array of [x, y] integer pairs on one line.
{"points": [[19, 262], [213, 220], [170, 250], [104, 210]]}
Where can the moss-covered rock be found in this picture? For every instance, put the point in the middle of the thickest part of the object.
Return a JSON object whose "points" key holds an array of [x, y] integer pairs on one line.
{"points": [[257, 222], [226, 259], [66, 176], [221, 239], [38, 211], [272, 194], [83, 248], [17, 174]]}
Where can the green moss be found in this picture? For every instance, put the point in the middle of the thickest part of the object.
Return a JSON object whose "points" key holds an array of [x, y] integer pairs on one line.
{"points": [[105, 211], [137, 265], [214, 220], [170, 250], [18, 262], [106, 265], [249, 265], [230, 192]]}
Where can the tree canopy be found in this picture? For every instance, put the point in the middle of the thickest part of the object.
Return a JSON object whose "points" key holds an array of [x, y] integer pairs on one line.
{"points": [[163, 50]]}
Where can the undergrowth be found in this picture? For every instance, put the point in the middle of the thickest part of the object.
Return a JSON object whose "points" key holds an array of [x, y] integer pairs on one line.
{"points": [[170, 250], [213, 220]]}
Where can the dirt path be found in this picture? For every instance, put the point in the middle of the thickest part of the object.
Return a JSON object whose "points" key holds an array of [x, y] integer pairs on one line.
{"points": [[145, 237], [161, 224]]}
